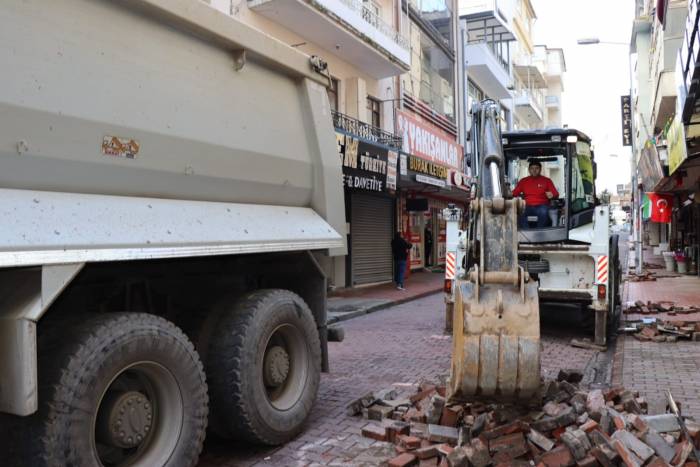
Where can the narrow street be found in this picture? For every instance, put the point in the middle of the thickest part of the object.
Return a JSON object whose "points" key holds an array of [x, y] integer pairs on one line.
{"points": [[398, 347]]}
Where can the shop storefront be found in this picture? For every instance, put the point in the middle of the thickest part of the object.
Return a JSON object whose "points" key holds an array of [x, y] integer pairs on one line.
{"points": [[369, 179], [430, 177]]}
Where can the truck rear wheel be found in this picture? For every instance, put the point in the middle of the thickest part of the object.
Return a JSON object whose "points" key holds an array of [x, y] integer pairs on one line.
{"points": [[125, 389], [263, 366]]}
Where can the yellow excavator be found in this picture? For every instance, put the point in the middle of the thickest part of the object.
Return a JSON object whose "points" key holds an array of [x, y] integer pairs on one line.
{"points": [[495, 322]]}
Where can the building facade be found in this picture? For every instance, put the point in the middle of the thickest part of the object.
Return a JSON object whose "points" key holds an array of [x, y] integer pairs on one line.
{"points": [[664, 48]]}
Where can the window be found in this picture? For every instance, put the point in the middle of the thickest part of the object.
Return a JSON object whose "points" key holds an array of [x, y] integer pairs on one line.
{"points": [[373, 111], [582, 178], [432, 74], [333, 94]]}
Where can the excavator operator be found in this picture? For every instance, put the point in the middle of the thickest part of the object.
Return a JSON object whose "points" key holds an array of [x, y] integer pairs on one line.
{"points": [[537, 190]]}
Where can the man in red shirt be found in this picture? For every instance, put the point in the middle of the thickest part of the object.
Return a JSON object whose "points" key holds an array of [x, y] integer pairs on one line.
{"points": [[538, 190]]}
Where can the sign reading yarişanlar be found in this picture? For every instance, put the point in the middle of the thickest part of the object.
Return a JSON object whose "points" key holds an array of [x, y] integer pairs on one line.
{"points": [[364, 164], [426, 167]]}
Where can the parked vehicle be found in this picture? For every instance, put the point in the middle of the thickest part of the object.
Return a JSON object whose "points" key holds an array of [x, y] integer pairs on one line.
{"points": [[171, 198]]}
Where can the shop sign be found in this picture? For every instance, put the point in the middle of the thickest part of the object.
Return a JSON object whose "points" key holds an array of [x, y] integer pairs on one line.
{"points": [[626, 107], [650, 168], [417, 164], [431, 181], [677, 152], [427, 142], [365, 165]]}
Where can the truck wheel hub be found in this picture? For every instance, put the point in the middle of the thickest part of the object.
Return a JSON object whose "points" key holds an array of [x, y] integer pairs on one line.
{"points": [[276, 366], [130, 419]]}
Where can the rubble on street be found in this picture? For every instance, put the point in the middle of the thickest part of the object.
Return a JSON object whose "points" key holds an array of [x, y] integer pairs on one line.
{"points": [[650, 308], [566, 426], [655, 330]]}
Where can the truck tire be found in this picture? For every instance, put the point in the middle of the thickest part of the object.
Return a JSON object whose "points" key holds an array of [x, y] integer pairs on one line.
{"points": [[124, 389], [263, 365]]}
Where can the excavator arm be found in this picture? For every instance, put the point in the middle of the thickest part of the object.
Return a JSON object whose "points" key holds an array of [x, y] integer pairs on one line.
{"points": [[496, 333]]}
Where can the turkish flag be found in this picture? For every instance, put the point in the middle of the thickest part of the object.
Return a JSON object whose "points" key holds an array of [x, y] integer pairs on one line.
{"points": [[661, 206]]}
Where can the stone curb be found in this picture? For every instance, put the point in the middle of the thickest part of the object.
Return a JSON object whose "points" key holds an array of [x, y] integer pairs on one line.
{"points": [[379, 306]]}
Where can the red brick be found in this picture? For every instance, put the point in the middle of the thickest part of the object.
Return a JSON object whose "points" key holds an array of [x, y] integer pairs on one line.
{"points": [[659, 462], [558, 457], [589, 425], [628, 458], [409, 442], [403, 460], [374, 432], [508, 447], [558, 432], [639, 424], [426, 452], [602, 458], [588, 461], [450, 416], [444, 449]]}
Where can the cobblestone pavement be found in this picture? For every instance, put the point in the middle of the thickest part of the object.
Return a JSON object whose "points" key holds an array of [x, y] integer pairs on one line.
{"points": [[651, 368], [398, 347]]}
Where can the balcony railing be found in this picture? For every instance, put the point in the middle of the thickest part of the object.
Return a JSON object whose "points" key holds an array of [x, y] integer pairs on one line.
{"points": [[373, 19], [365, 130]]}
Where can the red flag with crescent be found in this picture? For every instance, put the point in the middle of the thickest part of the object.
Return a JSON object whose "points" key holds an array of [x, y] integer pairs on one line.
{"points": [[661, 207]]}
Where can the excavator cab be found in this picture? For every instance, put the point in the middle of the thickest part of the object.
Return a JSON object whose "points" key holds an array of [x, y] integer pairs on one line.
{"points": [[566, 159]]}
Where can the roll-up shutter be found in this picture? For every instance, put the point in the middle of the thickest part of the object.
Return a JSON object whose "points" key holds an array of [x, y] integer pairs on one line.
{"points": [[371, 234]]}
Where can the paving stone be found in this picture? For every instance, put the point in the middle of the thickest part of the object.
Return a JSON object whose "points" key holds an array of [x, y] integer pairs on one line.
{"points": [[604, 456], [403, 460], [577, 442], [632, 443], [540, 440], [560, 456], [443, 434], [479, 455], [662, 423], [379, 412], [508, 447], [434, 411], [595, 403], [662, 449], [374, 432], [628, 458]]}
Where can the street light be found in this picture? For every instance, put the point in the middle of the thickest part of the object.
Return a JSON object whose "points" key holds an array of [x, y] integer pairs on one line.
{"points": [[635, 206]]}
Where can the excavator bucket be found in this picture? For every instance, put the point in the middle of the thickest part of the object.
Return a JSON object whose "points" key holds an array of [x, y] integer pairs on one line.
{"points": [[496, 341]]}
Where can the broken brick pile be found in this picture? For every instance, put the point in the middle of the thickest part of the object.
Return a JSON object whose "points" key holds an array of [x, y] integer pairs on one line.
{"points": [[664, 331], [571, 427], [650, 308]]}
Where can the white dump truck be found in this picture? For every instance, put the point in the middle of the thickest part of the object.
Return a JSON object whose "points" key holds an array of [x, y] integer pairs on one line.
{"points": [[171, 200]]}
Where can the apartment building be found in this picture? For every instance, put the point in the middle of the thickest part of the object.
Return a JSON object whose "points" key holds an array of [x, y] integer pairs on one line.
{"points": [[664, 48], [553, 63]]}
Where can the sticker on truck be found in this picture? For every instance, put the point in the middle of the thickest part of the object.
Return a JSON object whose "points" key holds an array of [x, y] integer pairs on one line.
{"points": [[602, 269], [120, 147]]}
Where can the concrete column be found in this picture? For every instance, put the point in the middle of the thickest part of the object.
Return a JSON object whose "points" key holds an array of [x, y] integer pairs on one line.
{"points": [[356, 98]]}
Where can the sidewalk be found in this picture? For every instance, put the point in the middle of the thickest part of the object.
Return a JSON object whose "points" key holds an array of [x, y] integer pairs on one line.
{"points": [[349, 303], [650, 367]]}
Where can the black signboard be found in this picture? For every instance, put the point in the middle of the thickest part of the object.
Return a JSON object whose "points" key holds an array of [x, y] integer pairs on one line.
{"points": [[626, 107], [365, 165]]}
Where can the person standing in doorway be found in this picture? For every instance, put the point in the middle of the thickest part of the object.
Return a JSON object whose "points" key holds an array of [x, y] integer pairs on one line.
{"points": [[400, 249], [428, 245]]}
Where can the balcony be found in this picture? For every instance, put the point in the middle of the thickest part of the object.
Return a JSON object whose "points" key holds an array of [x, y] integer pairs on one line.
{"points": [[345, 28], [487, 52], [552, 102], [689, 68], [529, 104], [365, 131]]}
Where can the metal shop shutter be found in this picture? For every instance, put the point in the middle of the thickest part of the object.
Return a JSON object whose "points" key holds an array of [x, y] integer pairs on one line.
{"points": [[371, 235]]}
